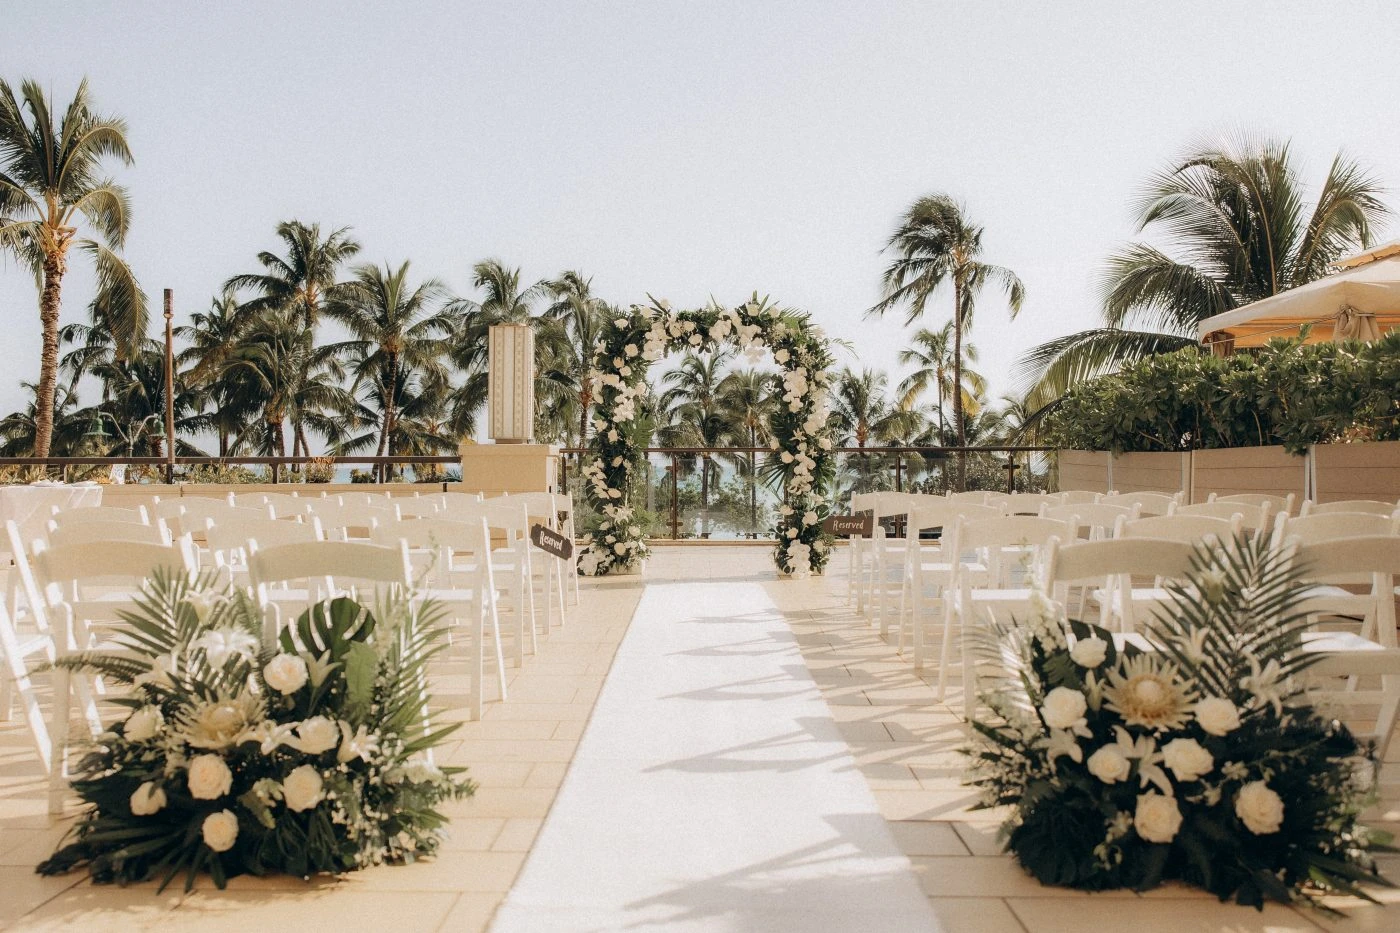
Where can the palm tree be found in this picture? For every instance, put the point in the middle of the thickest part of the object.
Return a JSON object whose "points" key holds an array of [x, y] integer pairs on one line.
{"points": [[397, 338], [20, 430], [211, 339], [50, 179], [862, 413], [936, 243], [279, 367], [1236, 220], [305, 280], [505, 302], [577, 317], [746, 400], [931, 352], [691, 403]]}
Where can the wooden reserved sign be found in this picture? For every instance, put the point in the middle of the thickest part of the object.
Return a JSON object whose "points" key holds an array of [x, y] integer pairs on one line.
{"points": [[860, 525], [551, 542]]}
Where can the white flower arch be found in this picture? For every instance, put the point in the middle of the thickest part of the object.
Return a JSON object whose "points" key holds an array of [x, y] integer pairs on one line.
{"points": [[801, 442]]}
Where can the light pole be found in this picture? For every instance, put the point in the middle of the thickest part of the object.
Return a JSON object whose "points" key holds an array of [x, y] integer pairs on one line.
{"points": [[169, 387], [95, 431]]}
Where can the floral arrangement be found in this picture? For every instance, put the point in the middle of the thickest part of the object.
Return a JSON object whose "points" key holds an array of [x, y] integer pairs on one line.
{"points": [[801, 446], [1199, 760], [309, 755]]}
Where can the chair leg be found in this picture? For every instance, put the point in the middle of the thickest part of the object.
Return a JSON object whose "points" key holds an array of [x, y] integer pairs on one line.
{"points": [[478, 661], [495, 620], [58, 753]]}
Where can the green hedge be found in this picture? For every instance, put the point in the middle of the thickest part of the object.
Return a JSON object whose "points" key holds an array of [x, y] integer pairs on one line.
{"points": [[1285, 393]]}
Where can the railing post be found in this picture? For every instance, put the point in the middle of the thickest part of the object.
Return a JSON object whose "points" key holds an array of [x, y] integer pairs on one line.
{"points": [[276, 472], [675, 499], [898, 473]]}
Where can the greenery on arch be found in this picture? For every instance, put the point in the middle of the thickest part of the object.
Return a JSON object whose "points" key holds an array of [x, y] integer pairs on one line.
{"points": [[800, 461]]}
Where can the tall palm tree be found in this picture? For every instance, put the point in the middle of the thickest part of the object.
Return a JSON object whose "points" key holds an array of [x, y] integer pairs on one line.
{"points": [[935, 243], [51, 180], [279, 366], [747, 400], [693, 418], [504, 301], [398, 333], [577, 317], [211, 338], [20, 430], [1236, 220], [931, 352], [305, 280], [862, 413]]}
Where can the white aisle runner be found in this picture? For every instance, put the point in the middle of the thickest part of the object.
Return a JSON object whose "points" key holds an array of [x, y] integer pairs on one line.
{"points": [[712, 791]]}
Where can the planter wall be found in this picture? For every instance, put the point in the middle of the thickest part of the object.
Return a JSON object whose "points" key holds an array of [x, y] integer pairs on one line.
{"points": [[1151, 472], [1356, 471], [1083, 469], [1269, 470]]}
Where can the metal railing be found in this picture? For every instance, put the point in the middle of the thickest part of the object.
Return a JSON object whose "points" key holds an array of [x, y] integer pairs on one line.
{"points": [[168, 465]]}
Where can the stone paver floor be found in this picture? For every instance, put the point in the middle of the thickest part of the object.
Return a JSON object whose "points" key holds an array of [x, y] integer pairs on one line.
{"points": [[903, 741]]}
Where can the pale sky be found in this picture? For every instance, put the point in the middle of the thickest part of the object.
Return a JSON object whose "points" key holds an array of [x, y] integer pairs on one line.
{"points": [[687, 149]]}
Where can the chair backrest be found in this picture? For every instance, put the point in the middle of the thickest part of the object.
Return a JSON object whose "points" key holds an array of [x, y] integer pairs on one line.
{"points": [[1094, 516], [1276, 504], [1076, 496], [1029, 503], [102, 513], [944, 514], [365, 498], [1326, 526], [1191, 529], [975, 496], [1373, 506], [991, 535], [93, 532], [235, 536], [1089, 561], [1149, 503], [417, 506], [1252, 517], [459, 534], [1349, 557], [60, 567], [339, 560]]}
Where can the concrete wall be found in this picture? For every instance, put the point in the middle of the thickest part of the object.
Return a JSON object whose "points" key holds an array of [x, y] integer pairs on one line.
{"points": [[1269, 470], [1151, 472], [1083, 469], [1357, 471]]}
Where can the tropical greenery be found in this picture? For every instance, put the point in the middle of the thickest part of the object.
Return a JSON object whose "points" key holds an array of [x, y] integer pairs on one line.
{"points": [[1287, 393], [1237, 226], [243, 754]]}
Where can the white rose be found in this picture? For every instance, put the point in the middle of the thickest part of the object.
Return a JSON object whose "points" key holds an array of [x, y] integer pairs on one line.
{"points": [[317, 734], [1259, 808], [1187, 759], [620, 548], [143, 724], [1063, 708], [1157, 818], [285, 673], [220, 830], [780, 356], [809, 517], [792, 532], [630, 350], [1217, 715], [147, 799], [209, 777], [303, 788], [1089, 652], [1109, 764]]}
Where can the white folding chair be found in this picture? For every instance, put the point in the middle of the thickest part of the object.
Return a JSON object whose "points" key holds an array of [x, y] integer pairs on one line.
{"points": [[327, 569], [1252, 518], [991, 540], [1090, 519], [84, 587], [928, 566], [859, 554], [1078, 497], [231, 540], [1109, 566], [544, 509], [89, 532], [16, 681], [100, 513], [1029, 503]]}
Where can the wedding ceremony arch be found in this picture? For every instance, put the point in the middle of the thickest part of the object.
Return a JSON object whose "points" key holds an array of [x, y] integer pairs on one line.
{"points": [[801, 440]]}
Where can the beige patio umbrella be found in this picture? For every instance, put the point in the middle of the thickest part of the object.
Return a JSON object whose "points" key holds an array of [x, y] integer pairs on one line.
{"points": [[1359, 302]]}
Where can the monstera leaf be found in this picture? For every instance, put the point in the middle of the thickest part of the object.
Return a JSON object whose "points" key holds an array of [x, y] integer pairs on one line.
{"points": [[330, 628]]}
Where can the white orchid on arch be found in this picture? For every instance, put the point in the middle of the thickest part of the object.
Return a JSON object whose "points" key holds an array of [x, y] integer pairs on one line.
{"points": [[801, 446]]}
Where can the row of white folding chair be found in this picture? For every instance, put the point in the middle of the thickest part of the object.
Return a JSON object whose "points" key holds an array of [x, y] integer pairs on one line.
{"points": [[928, 566], [511, 568], [323, 569]]}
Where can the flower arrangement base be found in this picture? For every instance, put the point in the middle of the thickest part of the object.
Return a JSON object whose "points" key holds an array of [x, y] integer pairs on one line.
{"points": [[629, 570]]}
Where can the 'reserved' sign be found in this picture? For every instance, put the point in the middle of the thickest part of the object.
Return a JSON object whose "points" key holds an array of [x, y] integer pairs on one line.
{"points": [[551, 542], [860, 525]]}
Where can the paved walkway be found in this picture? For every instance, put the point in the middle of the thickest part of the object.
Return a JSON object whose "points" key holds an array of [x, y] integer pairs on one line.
{"points": [[713, 791]]}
